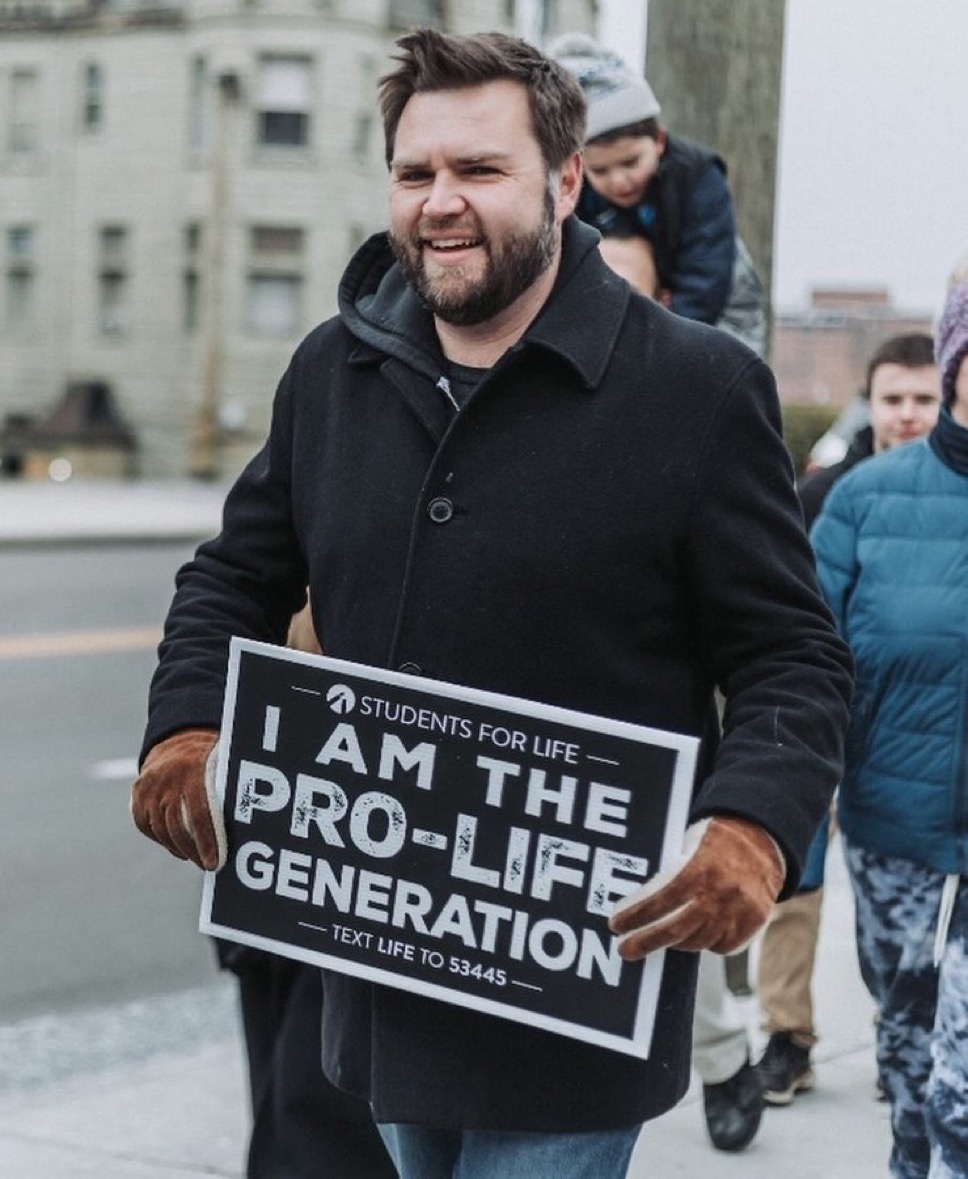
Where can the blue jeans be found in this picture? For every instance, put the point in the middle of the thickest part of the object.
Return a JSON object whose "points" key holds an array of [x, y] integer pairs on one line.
{"points": [[423, 1153]]}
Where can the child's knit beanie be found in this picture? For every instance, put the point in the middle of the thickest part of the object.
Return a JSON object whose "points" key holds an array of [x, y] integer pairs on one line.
{"points": [[616, 96], [951, 339]]}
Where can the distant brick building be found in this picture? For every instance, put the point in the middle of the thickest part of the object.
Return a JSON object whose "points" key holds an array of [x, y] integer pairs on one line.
{"points": [[820, 355]]}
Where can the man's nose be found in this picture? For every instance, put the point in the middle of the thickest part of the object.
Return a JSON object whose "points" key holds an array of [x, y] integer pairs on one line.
{"points": [[444, 198]]}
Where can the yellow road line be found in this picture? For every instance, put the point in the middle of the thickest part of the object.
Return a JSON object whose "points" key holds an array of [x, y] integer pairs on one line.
{"points": [[78, 642]]}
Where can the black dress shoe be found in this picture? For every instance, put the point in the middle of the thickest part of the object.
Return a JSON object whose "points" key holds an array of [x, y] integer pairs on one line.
{"points": [[733, 1109]]}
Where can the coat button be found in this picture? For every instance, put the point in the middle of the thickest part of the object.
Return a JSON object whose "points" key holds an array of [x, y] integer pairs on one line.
{"points": [[410, 668], [440, 510]]}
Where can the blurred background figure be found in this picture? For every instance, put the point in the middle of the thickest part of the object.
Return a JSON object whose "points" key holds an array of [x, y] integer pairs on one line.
{"points": [[901, 395], [302, 1126], [639, 177], [732, 1101], [629, 253], [903, 391], [892, 553]]}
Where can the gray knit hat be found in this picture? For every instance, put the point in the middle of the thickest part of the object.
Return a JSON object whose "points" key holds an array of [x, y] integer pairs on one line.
{"points": [[616, 96]]}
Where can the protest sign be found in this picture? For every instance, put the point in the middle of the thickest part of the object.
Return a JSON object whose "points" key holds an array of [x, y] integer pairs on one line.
{"points": [[461, 844]]}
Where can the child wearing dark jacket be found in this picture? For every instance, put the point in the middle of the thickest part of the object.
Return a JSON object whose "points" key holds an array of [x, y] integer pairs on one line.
{"points": [[639, 177]]}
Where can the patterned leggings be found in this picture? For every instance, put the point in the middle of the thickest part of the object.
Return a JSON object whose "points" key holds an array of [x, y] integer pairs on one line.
{"points": [[922, 1036]]}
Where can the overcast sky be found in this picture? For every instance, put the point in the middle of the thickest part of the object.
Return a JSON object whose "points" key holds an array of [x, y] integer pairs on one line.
{"points": [[873, 176]]}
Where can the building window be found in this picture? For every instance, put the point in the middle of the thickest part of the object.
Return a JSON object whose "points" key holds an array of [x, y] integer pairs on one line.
{"points": [[200, 106], [284, 101], [22, 119], [275, 282], [362, 136], [274, 305], [112, 278], [276, 241], [19, 278], [191, 284], [92, 97], [356, 235], [191, 277], [404, 14], [532, 20], [193, 239], [362, 122]]}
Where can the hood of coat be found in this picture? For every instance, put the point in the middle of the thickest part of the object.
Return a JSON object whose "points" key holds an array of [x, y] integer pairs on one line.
{"points": [[383, 313], [861, 447]]}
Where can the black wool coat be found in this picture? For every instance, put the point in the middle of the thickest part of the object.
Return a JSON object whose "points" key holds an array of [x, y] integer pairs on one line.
{"points": [[621, 536]]}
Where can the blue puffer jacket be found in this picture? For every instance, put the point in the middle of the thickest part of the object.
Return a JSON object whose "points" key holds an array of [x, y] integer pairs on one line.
{"points": [[892, 553]]}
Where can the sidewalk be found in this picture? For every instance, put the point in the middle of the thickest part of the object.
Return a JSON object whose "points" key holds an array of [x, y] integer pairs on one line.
{"points": [[172, 1112], [837, 1131], [154, 1088], [157, 1090], [92, 511]]}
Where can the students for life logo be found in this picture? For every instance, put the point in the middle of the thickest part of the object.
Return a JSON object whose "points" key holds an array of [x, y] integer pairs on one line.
{"points": [[341, 698]]}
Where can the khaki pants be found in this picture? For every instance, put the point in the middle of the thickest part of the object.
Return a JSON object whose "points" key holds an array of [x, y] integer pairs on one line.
{"points": [[720, 1040], [787, 955]]}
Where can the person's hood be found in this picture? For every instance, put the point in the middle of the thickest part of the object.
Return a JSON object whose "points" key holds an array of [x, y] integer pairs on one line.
{"points": [[381, 310], [861, 445], [949, 441]]}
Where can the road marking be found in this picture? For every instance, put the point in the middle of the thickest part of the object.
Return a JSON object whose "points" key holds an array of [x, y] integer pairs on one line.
{"points": [[115, 768], [78, 642]]}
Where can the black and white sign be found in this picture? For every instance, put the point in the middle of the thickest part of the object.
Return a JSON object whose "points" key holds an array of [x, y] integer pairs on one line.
{"points": [[462, 844]]}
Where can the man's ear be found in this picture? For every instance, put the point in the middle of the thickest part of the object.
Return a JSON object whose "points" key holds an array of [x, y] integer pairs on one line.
{"points": [[662, 139], [569, 187]]}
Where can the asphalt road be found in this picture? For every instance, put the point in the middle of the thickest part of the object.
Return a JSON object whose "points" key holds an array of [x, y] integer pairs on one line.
{"points": [[91, 913]]}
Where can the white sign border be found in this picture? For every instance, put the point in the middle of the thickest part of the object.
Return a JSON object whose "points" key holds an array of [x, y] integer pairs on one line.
{"points": [[687, 748]]}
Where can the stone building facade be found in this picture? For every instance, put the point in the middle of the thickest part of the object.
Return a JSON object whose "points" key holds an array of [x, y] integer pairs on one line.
{"points": [[181, 185]]}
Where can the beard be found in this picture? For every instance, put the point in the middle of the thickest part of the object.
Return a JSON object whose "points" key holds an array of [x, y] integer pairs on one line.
{"points": [[513, 263]]}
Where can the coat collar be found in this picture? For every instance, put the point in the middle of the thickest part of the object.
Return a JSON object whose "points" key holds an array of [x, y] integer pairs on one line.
{"points": [[386, 317], [586, 309]]}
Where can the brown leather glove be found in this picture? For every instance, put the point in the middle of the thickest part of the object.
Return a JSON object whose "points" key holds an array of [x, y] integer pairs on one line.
{"points": [[173, 801], [717, 898]]}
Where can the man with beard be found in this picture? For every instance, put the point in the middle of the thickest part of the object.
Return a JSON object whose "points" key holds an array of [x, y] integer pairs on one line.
{"points": [[500, 467]]}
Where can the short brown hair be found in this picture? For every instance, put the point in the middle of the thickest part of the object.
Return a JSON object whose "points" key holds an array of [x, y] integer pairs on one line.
{"points": [[430, 61], [912, 350]]}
